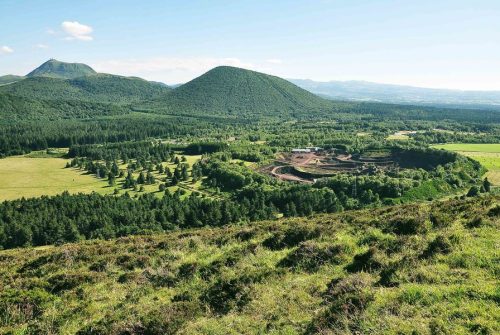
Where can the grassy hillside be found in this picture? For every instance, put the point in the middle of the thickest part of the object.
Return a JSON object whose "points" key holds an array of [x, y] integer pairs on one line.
{"points": [[230, 90], [56, 69], [416, 269]]}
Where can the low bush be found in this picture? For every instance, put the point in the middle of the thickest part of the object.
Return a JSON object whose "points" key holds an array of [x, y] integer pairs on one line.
{"points": [[68, 281], [162, 276], [440, 245], [309, 256], [169, 319], [346, 300], [376, 238], [368, 261], [132, 261], [409, 225], [226, 295], [291, 237], [20, 306]]}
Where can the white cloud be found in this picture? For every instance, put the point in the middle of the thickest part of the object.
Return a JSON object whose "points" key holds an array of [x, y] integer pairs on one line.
{"points": [[6, 50], [168, 69], [77, 31], [274, 61], [42, 46], [50, 31]]}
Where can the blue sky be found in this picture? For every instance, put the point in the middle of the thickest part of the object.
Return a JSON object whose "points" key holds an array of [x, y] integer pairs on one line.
{"points": [[439, 43]]}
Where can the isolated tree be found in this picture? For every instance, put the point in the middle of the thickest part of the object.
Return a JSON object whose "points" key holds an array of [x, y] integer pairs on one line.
{"points": [[177, 173], [175, 180], [129, 180], [168, 172], [111, 179], [473, 191], [141, 179], [486, 185], [150, 179], [115, 170], [184, 172]]}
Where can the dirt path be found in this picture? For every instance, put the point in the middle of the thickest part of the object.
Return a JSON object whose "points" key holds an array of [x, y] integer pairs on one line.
{"points": [[287, 176]]}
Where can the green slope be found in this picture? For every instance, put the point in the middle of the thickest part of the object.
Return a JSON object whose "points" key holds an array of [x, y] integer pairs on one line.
{"points": [[9, 79], [230, 90], [47, 93], [416, 269], [56, 69], [15, 108], [97, 88]]}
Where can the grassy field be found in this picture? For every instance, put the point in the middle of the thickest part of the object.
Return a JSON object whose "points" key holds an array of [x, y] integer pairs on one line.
{"points": [[402, 135], [33, 177], [413, 269], [398, 137], [41, 173], [486, 154], [471, 147]]}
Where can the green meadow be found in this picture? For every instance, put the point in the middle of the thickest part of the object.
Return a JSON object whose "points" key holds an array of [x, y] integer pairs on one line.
{"points": [[22, 176], [486, 154], [40, 173]]}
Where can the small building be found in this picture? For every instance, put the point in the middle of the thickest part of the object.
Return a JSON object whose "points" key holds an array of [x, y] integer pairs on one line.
{"points": [[314, 149], [301, 151]]}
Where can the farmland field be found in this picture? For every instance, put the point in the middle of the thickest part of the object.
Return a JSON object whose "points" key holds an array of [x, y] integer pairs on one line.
{"points": [[38, 174], [486, 154], [22, 176]]}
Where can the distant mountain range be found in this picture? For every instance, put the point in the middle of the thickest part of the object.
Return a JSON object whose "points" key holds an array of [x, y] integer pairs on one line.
{"points": [[387, 93]]}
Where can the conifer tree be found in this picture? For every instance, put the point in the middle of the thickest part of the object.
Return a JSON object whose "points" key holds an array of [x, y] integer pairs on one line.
{"points": [[141, 179]]}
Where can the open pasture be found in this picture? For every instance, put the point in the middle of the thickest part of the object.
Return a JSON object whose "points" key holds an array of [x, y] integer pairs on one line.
{"points": [[487, 154], [39, 173], [22, 176]]}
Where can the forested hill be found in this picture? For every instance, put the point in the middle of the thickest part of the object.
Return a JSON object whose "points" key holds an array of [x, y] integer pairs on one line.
{"points": [[19, 109], [8, 79], [230, 90], [103, 88], [223, 91], [56, 69]]}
